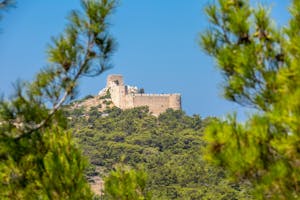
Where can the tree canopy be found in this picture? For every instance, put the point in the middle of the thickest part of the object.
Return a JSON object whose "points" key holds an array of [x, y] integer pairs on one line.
{"points": [[166, 148], [260, 65], [38, 157]]}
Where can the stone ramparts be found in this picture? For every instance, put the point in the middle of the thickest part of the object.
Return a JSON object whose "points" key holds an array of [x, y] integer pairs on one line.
{"points": [[124, 99]]}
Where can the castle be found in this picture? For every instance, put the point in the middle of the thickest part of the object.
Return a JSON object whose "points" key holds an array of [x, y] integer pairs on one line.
{"points": [[125, 97]]}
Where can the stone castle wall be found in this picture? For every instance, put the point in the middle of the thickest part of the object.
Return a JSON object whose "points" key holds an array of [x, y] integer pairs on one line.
{"points": [[157, 103]]}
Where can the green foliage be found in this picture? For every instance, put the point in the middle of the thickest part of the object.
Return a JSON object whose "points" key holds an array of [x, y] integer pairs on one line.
{"points": [[38, 158], [48, 166], [88, 97], [260, 63], [106, 96], [167, 146], [107, 103], [126, 184]]}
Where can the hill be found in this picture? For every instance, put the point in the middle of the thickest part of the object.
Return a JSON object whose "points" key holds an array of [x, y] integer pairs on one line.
{"points": [[168, 147]]}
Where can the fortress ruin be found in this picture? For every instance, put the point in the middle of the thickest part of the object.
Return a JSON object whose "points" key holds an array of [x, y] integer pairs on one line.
{"points": [[125, 97]]}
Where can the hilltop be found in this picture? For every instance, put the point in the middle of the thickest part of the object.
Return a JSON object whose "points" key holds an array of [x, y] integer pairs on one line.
{"points": [[168, 147], [117, 94]]}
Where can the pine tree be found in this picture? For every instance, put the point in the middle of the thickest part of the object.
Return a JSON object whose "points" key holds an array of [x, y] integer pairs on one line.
{"points": [[124, 183], [261, 67], [38, 158]]}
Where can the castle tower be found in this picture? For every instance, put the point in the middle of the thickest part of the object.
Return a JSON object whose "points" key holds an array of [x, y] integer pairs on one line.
{"points": [[117, 91], [125, 97], [114, 80]]}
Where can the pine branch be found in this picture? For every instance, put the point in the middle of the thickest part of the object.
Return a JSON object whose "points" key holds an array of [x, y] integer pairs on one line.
{"points": [[58, 84]]}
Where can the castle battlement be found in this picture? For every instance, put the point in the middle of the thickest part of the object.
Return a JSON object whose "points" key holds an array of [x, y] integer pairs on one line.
{"points": [[125, 97]]}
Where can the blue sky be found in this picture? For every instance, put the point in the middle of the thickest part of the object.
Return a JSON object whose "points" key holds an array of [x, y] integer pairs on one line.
{"points": [[157, 48]]}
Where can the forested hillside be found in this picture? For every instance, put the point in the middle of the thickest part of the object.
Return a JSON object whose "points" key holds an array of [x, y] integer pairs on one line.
{"points": [[167, 147]]}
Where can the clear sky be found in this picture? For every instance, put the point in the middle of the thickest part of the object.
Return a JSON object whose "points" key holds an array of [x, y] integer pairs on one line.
{"points": [[157, 48]]}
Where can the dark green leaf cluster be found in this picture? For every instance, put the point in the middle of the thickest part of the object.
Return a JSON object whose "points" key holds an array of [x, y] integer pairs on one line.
{"points": [[261, 66], [126, 184], [44, 166], [38, 159], [167, 146], [106, 96], [248, 49]]}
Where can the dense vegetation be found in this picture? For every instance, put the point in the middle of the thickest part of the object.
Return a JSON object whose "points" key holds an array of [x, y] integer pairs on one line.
{"points": [[167, 147], [261, 67], [38, 157], [143, 156]]}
